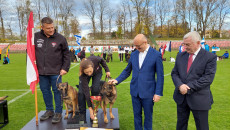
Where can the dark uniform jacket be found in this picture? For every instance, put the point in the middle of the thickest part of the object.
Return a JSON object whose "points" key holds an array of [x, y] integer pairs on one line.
{"points": [[84, 79], [52, 54]]}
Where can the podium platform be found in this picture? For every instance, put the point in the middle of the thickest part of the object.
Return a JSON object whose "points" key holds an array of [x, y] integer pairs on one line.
{"points": [[47, 124]]}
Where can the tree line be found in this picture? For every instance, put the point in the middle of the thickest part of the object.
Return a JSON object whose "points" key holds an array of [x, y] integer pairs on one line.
{"points": [[160, 18]]}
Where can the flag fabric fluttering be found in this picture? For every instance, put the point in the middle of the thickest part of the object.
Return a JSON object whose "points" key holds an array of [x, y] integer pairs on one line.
{"points": [[31, 69], [168, 47]]}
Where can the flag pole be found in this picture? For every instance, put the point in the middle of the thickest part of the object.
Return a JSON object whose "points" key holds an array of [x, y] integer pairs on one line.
{"points": [[36, 105]]}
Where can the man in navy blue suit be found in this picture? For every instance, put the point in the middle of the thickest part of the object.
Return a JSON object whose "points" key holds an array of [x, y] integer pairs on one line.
{"points": [[144, 64], [192, 75]]}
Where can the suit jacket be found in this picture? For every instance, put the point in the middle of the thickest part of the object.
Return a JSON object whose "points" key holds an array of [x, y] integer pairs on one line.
{"points": [[199, 78], [143, 80]]}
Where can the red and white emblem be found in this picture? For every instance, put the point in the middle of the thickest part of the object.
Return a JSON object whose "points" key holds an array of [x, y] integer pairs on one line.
{"points": [[54, 44]]}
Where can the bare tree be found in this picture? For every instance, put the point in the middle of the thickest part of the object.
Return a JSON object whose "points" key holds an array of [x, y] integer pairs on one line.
{"points": [[224, 10], [138, 4], [74, 26], [110, 14], [131, 19], [203, 10], [66, 7], [90, 11], [38, 9], [124, 16], [147, 16], [163, 9], [103, 6], [46, 4], [181, 5], [55, 4], [2, 9], [23, 10]]}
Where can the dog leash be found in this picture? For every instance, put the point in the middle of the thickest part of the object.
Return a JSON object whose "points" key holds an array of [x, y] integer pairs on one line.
{"points": [[59, 91]]}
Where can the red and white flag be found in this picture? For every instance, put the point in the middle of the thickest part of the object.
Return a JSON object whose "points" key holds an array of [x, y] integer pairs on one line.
{"points": [[31, 69]]}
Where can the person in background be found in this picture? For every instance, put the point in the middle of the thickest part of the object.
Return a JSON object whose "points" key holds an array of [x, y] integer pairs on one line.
{"points": [[90, 68], [91, 50], [53, 61], [181, 48], [225, 55], [104, 51], [145, 63], [5, 60], [122, 51], [110, 53], [76, 52], [82, 53], [160, 48], [0, 53], [206, 46], [72, 54], [214, 47], [192, 75]]}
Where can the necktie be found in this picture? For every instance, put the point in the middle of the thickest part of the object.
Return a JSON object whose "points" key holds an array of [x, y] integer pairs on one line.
{"points": [[189, 62]]}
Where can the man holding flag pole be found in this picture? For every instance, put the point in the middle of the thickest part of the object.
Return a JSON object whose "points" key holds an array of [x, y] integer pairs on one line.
{"points": [[53, 61]]}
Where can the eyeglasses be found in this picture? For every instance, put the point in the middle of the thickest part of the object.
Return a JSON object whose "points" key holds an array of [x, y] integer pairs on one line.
{"points": [[138, 46]]}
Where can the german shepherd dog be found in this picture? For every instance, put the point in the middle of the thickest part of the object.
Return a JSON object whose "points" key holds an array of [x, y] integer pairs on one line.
{"points": [[109, 96], [70, 97]]}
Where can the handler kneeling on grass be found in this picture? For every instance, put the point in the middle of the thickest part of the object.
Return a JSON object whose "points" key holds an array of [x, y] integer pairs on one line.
{"points": [[52, 56]]}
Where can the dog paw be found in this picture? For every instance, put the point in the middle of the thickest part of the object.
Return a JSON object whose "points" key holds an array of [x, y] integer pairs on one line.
{"points": [[112, 116], [66, 117], [106, 120]]}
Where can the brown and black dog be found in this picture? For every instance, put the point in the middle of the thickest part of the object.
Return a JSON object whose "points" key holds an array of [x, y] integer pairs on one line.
{"points": [[70, 98], [109, 96]]}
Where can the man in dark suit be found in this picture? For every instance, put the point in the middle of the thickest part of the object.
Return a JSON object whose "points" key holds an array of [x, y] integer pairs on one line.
{"points": [[144, 64], [192, 75]]}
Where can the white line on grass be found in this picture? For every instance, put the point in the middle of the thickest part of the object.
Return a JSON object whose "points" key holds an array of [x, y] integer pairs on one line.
{"points": [[13, 100], [18, 97], [15, 90]]}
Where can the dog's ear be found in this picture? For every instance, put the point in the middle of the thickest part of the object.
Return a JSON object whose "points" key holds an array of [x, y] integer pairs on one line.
{"points": [[66, 83]]}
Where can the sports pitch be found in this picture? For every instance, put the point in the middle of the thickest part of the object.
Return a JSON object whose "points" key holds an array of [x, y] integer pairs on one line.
{"points": [[21, 107]]}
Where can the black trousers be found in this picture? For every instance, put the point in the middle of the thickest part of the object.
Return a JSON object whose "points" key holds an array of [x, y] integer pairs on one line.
{"points": [[95, 90], [104, 56], [121, 56], [200, 116]]}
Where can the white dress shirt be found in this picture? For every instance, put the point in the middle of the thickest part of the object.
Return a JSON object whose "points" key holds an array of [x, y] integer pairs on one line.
{"points": [[195, 54], [142, 56]]}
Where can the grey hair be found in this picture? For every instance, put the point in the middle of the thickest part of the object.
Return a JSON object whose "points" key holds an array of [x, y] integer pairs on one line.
{"points": [[194, 35]]}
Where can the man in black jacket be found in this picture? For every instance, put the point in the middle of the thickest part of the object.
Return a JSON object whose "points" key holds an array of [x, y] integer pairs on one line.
{"points": [[52, 59]]}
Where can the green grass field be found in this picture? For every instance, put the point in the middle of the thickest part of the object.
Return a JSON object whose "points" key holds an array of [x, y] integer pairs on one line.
{"points": [[21, 101]]}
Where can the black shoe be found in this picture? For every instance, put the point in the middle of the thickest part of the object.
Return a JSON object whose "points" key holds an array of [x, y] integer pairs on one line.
{"points": [[47, 115], [57, 118], [82, 119]]}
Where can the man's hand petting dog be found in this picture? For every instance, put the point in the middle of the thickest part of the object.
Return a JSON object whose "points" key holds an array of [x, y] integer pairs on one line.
{"points": [[113, 81]]}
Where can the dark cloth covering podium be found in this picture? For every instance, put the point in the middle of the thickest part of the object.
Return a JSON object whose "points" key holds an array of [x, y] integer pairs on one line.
{"points": [[73, 123]]}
